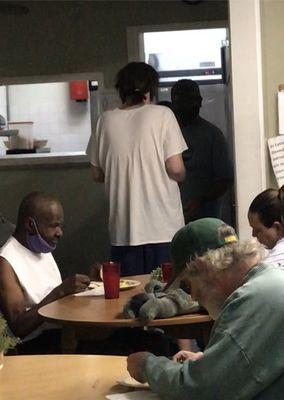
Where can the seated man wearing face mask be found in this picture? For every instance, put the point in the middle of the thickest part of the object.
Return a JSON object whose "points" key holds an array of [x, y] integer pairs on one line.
{"points": [[29, 276]]}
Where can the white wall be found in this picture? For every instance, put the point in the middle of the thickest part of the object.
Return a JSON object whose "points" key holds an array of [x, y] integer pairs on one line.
{"points": [[272, 30], [3, 107], [64, 122], [249, 138], [3, 112]]}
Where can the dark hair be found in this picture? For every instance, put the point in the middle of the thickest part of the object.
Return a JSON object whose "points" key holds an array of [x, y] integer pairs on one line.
{"points": [[185, 91], [186, 101], [135, 80], [269, 206]]}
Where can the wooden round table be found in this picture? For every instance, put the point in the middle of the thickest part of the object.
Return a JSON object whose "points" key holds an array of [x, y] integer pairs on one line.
{"points": [[66, 377], [96, 311]]}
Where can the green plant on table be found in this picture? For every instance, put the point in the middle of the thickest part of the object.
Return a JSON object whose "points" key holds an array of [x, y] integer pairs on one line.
{"points": [[157, 274], [6, 340]]}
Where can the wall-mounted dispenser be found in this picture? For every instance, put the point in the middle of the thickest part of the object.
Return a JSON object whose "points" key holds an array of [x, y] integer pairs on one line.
{"points": [[78, 90]]}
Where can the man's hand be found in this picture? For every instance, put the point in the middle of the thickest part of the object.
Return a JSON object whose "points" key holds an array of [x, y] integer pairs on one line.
{"points": [[98, 174], [184, 355], [95, 272], [75, 283], [134, 362]]}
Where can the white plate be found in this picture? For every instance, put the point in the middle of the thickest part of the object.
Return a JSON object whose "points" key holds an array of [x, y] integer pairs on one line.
{"points": [[124, 284], [97, 291], [131, 382], [128, 284], [95, 285]]}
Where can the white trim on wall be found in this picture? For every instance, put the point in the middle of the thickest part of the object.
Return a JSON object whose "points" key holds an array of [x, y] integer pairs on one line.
{"points": [[248, 113]]}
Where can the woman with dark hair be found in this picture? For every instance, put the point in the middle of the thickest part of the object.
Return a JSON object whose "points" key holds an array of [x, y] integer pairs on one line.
{"points": [[135, 82], [136, 151], [265, 216]]}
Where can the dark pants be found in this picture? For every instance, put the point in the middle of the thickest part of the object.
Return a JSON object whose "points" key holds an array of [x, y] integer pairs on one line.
{"points": [[139, 260], [49, 342], [125, 341]]}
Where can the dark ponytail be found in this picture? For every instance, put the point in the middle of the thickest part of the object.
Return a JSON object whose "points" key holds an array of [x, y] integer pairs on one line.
{"points": [[269, 205], [135, 80]]}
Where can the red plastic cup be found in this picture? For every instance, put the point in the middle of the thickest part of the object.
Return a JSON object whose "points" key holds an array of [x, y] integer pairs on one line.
{"points": [[111, 276], [167, 270]]}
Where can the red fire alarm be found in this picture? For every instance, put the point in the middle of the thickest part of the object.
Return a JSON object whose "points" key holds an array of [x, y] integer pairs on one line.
{"points": [[78, 90]]}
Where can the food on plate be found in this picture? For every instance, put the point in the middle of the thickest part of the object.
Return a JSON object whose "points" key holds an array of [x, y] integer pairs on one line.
{"points": [[123, 285]]}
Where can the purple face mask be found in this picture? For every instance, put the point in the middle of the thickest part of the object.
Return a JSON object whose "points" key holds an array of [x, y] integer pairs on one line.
{"points": [[37, 244]]}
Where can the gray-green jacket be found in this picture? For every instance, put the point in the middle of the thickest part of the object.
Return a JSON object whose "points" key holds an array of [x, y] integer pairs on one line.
{"points": [[245, 356]]}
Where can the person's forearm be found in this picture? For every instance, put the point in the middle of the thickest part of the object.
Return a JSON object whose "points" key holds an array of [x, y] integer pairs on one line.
{"points": [[175, 168], [195, 380], [29, 320], [177, 176], [98, 174], [157, 371], [26, 322]]}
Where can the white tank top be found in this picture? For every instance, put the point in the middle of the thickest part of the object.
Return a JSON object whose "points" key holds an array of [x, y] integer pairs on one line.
{"points": [[38, 275]]}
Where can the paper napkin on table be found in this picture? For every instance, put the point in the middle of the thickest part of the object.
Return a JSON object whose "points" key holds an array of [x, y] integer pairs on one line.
{"points": [[137, 395], [99, 291]]}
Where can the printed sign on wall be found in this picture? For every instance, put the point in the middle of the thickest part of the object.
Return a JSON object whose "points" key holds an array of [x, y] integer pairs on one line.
{"points": [[276, 149]]}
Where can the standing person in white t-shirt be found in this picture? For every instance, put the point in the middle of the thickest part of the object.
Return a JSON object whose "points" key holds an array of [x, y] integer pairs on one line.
{"points": [[136, 151]]}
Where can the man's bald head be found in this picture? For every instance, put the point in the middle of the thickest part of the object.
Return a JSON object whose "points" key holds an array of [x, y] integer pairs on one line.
{"points": [[36, 205]]}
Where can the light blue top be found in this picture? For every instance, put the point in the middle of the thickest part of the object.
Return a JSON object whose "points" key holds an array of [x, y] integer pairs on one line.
{"points": [[245, 356]]}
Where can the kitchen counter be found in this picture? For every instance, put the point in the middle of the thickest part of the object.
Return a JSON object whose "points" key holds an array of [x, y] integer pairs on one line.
{"points": [[64, 158]]}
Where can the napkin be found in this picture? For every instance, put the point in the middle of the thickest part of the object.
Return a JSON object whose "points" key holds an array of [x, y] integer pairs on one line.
{"points": [[99, 291], [137, 395]]}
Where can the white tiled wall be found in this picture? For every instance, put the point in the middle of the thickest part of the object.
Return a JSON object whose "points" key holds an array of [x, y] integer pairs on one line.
{"points": [[64, 122], [3, 112], [3, 109]]}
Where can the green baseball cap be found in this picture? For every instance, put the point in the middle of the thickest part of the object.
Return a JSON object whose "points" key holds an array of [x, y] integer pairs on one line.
{"points": [[196, 238]]}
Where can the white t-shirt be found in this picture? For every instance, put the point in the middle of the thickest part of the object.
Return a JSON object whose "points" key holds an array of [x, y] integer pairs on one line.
{"points": [[38, 275], [131, 147]]}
